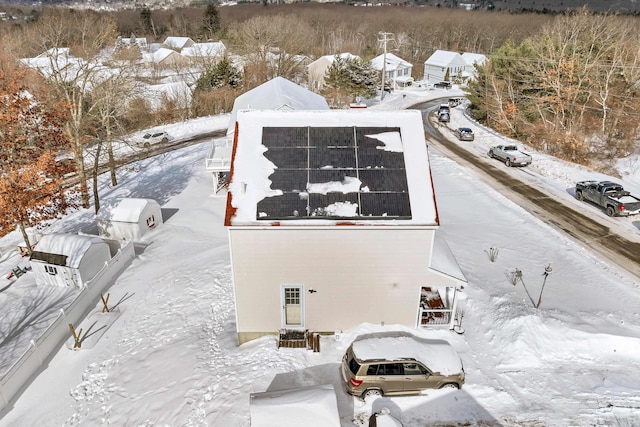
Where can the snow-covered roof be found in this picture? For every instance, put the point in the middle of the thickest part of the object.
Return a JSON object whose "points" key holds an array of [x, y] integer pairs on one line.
{"points": [[437, 355], [204, 49], [314, 406], [159, 55], [387, 182], [443, 260], [444, 58], [474, 58], [130, 209], [276, 94], [73, 246], [345, 55], [393, 62], [177, 42]]}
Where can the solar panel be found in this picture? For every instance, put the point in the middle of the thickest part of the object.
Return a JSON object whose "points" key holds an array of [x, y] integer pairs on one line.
{"points": [[335, 173]]}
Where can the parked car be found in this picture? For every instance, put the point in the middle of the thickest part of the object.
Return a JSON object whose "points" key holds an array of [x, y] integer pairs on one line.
{"points": [[399, 363], [454, 102], [444, 117], [464, 134], [152, 138], [510, 155], [444, 108], [442, 85], [615, 200]]}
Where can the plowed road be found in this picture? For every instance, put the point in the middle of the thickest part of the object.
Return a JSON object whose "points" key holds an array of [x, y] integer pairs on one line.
{"points": [[591, 232]]}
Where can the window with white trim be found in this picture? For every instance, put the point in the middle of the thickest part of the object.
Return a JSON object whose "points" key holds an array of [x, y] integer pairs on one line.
{"points": [[51, 270]]}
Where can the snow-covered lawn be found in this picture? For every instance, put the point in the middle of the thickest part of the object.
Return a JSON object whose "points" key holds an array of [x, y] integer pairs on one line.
{"points": [[171, 357]]}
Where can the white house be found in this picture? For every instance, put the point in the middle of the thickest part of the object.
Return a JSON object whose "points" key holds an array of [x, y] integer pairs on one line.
{"points": [[332, 221], [276, 94], [397, 70], [131, 219], [473, 59], [318, 68], [441, 62], [68, 259]]}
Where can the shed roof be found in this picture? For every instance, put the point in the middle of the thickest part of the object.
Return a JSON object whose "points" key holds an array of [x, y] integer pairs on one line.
{"points": [[130, 209], [73, 246], [331, 167], [306, 406]]}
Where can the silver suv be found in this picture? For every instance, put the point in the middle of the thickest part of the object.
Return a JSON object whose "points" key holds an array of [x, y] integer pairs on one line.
{"points": [[399, 363]]}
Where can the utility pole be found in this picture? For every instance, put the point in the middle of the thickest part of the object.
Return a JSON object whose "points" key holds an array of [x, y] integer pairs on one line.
{"points": [[383, 39]]}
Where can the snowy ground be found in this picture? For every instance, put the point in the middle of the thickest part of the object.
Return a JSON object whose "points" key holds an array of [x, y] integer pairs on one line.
{"points": [[171, 356]]}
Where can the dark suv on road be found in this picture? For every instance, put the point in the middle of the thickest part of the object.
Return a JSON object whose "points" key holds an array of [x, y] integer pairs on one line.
{"points": [[443, 85]]}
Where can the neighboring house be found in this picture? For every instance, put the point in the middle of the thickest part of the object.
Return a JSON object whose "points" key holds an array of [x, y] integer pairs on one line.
{"points": [[205, 50], [397, 70], [177, 43], [276, 94], [131, 219], [332, 221], [163, 57], [473, 59], [318, 68], [68, 259], [441, 61], [57, 61]]}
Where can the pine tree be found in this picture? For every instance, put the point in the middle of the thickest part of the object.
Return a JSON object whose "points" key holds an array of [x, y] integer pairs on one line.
{"points": [[221, 74]]}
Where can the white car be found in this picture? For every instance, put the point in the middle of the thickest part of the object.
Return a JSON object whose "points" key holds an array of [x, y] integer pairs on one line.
{"points": [[152, 138]]}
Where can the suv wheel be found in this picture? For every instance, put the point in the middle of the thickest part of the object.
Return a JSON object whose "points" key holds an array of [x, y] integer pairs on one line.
{"points": [[579, 195], [372, 393], [611, 211], [450, 385]]}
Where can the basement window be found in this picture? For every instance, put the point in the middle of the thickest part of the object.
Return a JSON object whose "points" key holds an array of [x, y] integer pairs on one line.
{"points": [[51, 270]]}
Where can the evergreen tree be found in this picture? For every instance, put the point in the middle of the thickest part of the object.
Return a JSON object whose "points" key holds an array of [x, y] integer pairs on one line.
{"points": [[221, 74], [353, 77]]}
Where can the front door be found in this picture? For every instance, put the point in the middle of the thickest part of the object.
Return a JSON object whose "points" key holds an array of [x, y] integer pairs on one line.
{"points": [[292, 306]]}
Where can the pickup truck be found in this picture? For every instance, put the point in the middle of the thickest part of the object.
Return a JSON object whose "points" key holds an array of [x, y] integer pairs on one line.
{"points": [[510, 155], [615, 200]]}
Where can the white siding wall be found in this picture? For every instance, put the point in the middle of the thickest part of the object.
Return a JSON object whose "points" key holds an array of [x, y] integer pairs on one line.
{"points": [[360, 274]]}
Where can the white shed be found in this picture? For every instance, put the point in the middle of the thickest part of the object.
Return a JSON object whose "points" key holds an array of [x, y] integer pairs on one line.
{"points": [[68, 259], [307, 406], [131, 219]]}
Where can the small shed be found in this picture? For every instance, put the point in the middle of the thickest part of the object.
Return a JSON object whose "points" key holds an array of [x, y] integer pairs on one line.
{"points": [[131, 219], [307, 406], [68, 259]]}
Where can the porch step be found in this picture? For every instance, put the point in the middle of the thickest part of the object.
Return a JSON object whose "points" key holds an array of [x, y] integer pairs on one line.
{"points": [[291, 338]]}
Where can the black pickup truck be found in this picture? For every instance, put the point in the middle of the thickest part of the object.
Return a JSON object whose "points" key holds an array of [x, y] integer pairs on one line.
{"points": [[615, 200]]}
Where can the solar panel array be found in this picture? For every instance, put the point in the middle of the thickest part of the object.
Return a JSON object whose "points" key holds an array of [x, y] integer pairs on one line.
{"points": [[309, 156]]}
